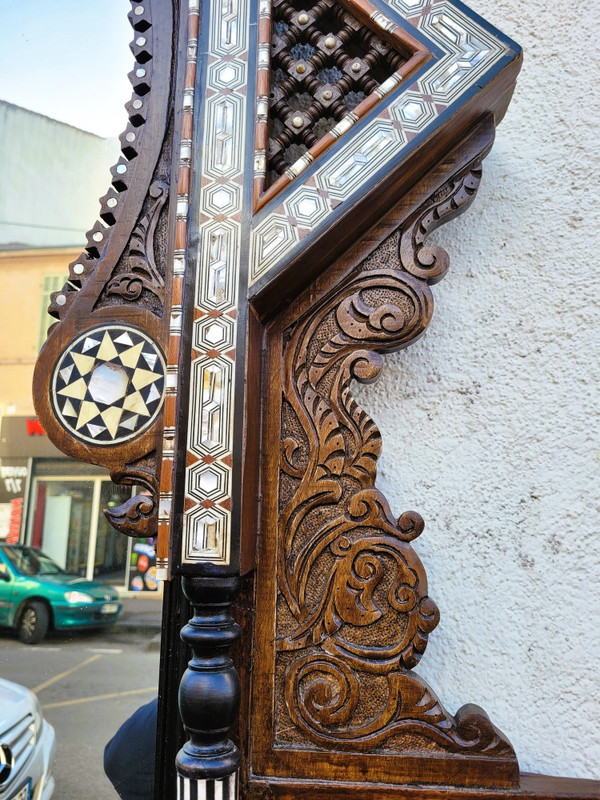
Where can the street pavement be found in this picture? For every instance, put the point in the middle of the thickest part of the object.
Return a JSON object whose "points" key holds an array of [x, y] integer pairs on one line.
{"points": [[88, 683], [140, 614]]}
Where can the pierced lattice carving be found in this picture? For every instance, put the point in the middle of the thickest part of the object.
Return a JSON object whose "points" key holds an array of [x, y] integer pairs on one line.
{"points": [[324, 63], [321, 68]]}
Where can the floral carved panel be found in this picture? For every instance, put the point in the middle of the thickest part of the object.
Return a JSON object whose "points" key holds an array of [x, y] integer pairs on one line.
{"points": [[352, 612]]}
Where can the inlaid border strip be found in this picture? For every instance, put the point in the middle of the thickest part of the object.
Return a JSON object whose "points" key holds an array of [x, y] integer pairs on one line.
{"points": [[380, 24], [469, 49], [179, 269], [209, 449]]}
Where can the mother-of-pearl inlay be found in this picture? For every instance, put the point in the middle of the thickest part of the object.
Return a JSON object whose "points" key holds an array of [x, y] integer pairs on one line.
{"points": [[108, 386]]}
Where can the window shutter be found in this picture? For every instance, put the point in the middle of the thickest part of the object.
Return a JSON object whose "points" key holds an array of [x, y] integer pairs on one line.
{"points": [[51, 283]]}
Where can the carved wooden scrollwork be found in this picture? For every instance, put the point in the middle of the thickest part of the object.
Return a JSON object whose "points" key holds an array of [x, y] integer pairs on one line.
{"points": [[139, 271], [373, 616], [353, 613], [426, 261], [100, 379]]}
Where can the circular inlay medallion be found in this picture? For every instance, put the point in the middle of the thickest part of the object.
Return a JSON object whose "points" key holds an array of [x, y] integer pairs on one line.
{"points": [[109, 384]]}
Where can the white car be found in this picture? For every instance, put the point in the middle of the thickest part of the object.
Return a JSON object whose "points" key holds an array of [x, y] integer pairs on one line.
{"points": [[27, 746]]}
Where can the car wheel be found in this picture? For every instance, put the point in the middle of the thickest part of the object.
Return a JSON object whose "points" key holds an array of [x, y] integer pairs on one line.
{"points": [[33, 623]]}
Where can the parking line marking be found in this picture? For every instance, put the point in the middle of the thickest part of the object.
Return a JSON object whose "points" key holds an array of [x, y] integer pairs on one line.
{"points": [[64, 674], [103, 650], [98, 697]]}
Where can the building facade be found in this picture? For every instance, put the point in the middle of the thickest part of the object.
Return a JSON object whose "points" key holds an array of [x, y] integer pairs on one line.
{"points": [[47, 499]]}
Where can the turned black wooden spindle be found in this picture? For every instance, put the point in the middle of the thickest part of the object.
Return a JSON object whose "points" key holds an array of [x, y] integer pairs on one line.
{"points": [[209, 693]]}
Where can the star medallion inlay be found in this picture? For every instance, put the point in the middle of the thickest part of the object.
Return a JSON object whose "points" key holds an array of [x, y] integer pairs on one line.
{"points": [[109, 385]]}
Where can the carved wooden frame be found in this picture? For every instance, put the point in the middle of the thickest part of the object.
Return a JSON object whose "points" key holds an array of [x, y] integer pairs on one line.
{"points": [[320, 506], [334, 611]]}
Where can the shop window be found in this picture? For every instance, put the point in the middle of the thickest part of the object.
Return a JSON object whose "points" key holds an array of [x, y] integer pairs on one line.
{"points": [[68, 524], [110, 552], [65, 519], [62, 522]]}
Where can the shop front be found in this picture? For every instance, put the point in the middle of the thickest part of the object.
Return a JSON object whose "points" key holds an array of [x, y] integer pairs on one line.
{"points": [[60, 504]]}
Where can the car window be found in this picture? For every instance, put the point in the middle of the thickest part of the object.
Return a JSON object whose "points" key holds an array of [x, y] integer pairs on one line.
{"points": [[29, 561]]}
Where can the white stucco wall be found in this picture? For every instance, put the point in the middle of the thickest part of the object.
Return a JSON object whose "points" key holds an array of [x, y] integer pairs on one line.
{"points": [[490, 423], [51, 176]]}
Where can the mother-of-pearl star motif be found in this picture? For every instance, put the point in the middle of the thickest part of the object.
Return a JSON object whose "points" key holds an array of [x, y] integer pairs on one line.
{"points": [[108, 386]]}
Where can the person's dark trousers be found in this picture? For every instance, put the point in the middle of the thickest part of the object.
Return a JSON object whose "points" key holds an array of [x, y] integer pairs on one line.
{"points": [[129, 756]]}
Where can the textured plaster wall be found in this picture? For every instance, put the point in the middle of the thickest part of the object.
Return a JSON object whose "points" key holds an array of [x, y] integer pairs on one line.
{"points": [[490, 422]]}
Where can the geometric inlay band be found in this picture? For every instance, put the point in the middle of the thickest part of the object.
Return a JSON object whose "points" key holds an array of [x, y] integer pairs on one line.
{"points": [[207, 517], [468, 52], [109, 385]]}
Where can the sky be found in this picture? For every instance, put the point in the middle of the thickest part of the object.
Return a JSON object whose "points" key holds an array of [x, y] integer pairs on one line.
{"points": [[68, 59]]}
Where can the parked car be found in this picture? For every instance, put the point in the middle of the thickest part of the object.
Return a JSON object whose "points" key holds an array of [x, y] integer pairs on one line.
{"points": [[36, 595], [27, 746]]}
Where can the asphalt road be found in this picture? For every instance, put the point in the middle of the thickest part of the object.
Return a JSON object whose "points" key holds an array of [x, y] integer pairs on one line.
{"points": [[87, 685]]}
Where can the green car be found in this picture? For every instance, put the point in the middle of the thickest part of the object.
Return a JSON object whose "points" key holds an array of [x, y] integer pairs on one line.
{"points": [[36, 594]]}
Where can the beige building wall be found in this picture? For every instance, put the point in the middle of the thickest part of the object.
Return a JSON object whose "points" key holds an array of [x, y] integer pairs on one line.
{"points": [[51, 176], [22, 276]]}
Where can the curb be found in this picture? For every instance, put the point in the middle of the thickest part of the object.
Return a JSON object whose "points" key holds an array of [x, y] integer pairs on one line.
{"points": [[141, 617], [136, 626], [151, 632]]}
